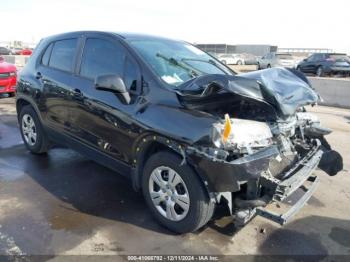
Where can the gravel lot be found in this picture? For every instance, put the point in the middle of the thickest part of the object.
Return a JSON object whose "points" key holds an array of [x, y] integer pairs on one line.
{"points": [[63, 203]]}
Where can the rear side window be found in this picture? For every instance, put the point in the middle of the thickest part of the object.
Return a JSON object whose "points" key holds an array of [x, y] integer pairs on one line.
{"points": [[46, 57], [62, 55], [101, 57]]}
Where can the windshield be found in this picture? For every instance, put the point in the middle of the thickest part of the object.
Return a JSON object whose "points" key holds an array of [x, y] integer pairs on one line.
{"points": [[176, 62]]}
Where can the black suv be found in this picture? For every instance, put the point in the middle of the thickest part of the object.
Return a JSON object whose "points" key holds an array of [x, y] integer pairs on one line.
{"points": [[326, 64], [185, 129]]}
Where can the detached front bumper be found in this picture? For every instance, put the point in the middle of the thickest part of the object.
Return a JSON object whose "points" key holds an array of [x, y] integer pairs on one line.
{"points": [[302, 178]]}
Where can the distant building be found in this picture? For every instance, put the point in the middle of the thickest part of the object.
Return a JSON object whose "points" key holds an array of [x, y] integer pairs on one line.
{"points": [[258, 50], [304, 51]]}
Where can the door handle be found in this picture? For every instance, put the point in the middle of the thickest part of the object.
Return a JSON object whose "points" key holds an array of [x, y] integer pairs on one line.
{"points": [[38, 75]]}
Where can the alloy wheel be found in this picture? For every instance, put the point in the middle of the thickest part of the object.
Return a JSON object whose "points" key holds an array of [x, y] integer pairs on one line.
{"points": [[29, 129]]}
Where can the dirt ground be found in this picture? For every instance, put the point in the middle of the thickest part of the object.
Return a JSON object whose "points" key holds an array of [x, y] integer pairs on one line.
{"points": [[63, 203]]}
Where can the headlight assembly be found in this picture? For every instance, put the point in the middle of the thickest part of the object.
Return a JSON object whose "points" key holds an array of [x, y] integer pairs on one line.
{"points": [[241, 134]]}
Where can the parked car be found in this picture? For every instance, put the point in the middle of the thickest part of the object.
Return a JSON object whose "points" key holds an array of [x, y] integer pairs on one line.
{"points": [[187, 131], [325, 64], [15, 50], [274, 59], [8, 77], [231, 59], [4, 51], [25, 51], [249, 59]]}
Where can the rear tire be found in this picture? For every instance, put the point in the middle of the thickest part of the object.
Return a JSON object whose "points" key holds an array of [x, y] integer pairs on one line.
{"points": [[268, 66], [32, 131], [258, 66], [239, 62], [163, 166]]}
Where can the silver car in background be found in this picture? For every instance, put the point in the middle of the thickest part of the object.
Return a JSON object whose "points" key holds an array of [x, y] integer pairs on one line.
{"points": [[274, 59], [231, 59]]}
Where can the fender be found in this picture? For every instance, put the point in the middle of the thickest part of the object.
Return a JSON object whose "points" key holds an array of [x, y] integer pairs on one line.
{"points": [[149, 142]]}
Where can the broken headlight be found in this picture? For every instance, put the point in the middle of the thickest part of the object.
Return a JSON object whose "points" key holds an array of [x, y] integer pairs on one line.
{"points": [[243, 135]]}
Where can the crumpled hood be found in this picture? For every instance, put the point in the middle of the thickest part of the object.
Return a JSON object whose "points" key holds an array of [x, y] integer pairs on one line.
{"points": [[285, 89], [289, 88]]}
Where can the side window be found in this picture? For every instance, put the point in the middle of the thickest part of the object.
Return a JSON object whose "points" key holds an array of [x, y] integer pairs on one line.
{"points": [[62, 55], [101, 57], [318, 57], [310, 58], [131, 76], [46, 57]]}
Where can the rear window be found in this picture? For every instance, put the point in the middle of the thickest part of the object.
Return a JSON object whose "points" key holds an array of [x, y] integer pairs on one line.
{"points": [[62, 55], [284, 56], [46, 57]]}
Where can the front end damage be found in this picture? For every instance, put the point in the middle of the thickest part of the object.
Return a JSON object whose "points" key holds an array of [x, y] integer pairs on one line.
{"points": [[256, 160]]}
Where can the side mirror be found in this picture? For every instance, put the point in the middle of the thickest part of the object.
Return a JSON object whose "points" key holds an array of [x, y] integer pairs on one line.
{"points": [[113, 83]]}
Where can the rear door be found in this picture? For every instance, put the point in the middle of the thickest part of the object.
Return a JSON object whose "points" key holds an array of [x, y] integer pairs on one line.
{"points": [[56, 73], [101, 120]]}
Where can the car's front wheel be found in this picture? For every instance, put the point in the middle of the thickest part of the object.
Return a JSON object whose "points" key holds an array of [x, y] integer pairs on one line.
{"points": [[32, 131], [174, 193], [239, 62]]}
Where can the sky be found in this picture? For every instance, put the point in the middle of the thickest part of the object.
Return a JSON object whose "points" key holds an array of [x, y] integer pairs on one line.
{"points": [[286, 23]]}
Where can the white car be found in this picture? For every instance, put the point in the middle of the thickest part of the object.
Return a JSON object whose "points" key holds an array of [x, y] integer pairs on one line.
{"points": [[231, 59]]}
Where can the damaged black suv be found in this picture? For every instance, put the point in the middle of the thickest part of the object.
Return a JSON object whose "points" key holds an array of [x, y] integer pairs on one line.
{"points": [[188, 131]]}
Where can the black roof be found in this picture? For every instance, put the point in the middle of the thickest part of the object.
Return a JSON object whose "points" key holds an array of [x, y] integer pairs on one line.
{"points": [[123, 35]]}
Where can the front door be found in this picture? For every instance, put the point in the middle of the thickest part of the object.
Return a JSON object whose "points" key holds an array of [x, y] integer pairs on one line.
{"points": [[101, 119]]}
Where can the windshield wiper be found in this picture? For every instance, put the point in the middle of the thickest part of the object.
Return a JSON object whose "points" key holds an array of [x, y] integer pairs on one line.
{"points": [[193, 73], [209, 61]]}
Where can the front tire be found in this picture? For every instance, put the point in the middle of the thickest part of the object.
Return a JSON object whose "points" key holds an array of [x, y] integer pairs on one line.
{"points": [[239, 62], [32, 131], [174, 193]]}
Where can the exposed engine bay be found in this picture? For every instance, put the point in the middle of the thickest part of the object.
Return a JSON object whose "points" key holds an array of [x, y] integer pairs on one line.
{"points": [[264, 136]]}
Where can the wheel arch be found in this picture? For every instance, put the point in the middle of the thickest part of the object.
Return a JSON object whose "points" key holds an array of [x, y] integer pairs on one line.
{"points": [[22, 102], [151, 144]]}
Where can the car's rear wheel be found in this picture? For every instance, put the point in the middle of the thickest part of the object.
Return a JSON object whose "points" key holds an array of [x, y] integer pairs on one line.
{"points": [[258, 66], [268, 66], [239, 62], [32, 131], [319, 71], [174, 194]]}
